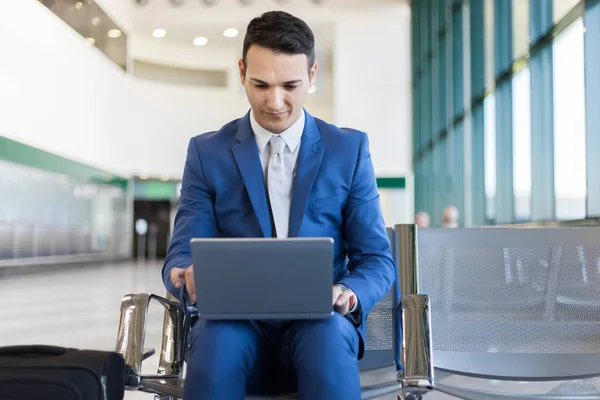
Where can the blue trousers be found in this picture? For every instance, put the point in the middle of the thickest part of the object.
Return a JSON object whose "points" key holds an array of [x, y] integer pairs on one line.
{"points": [[316, 358]]}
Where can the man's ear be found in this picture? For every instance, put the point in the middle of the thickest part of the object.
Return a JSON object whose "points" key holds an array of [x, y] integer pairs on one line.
{"points": [[313, 73], [242, 72]]}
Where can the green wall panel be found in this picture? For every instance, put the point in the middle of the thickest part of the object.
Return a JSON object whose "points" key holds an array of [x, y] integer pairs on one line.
{"points": [[20, 153], [391, 183]]}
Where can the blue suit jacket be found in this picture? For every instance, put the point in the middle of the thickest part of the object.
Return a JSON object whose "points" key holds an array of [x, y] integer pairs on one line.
{"points": [[334, 195]]}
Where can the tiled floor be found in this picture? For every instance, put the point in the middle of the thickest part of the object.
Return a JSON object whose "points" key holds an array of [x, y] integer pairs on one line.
{"points": [[79, 307]]}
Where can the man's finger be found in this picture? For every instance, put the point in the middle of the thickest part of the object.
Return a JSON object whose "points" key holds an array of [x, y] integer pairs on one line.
{"points": [[344, 298], [177, 275], [342, 308], [189, 283], [336, 294]]}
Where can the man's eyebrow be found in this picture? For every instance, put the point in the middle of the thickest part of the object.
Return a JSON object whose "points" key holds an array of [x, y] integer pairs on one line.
{"points": [[293, 82], [258, 81]]}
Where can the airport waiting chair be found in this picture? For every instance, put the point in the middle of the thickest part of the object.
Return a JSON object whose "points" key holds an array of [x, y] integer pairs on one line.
{"points": [[512, 305], [499, 304], [410, 366]]}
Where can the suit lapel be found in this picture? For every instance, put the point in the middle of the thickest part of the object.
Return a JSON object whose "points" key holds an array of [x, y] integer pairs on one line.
{"points": [[309, 160], [248, 161]]}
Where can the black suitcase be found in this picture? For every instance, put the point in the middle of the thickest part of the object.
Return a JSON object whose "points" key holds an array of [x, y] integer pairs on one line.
{"points": [[37, 372]]}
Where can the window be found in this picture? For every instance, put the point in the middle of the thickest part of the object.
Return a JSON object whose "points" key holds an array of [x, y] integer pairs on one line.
{"points": [[522, 145], [560, 8], [489, 128], [520, 27], [489, 44], [569, 124]]}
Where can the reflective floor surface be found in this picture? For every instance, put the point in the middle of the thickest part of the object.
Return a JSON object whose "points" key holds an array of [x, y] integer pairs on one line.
{"points": [[78, 307]]}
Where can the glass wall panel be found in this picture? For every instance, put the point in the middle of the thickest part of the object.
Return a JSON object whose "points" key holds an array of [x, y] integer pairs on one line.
{"points": [[562, 8], [457, 66], [592, 103], [51, 214], [489, 108], [514, 75], [489, 44], [569, 123], [520, 27], [522, 145]]}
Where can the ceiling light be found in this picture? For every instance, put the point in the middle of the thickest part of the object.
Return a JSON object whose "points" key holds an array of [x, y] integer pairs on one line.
{"points": [[230, 32], [95, 21], [78, 5], [91, 41], [200, 41], [114, 33], [159, 33]]}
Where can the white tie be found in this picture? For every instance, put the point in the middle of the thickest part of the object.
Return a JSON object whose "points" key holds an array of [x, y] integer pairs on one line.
{"points": [[279, 184]]}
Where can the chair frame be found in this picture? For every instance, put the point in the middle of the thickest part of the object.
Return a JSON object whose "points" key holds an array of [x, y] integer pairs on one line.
{"points": [[413, 351], [413, 363]]}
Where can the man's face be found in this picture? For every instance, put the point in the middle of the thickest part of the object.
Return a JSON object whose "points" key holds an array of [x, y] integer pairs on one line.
{"points": [[276, 85]]}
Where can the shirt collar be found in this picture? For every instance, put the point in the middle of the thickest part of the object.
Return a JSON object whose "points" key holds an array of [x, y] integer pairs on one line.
{"points": [[291, 135]]}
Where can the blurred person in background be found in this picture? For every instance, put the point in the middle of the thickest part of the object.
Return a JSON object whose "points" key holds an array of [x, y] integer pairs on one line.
{"points": [[422, 219], [450, 217]]}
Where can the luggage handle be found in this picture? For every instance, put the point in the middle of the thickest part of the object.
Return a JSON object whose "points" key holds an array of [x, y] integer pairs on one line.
{"points": [[32, 350]]}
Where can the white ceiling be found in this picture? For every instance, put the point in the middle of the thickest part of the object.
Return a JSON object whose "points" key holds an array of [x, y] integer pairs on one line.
{"points": [[194, 18]]}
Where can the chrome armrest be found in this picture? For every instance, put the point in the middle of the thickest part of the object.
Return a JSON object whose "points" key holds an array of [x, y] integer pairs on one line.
{"points": [[132, 331], [414, 352], [176, 325], [415, 368]]}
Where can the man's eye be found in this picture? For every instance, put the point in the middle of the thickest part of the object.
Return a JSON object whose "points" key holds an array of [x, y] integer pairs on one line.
{"points": [[290, 87], [260, 86]]}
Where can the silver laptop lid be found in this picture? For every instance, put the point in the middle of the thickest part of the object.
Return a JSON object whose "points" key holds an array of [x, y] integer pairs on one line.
{"points": [[263, 278]]}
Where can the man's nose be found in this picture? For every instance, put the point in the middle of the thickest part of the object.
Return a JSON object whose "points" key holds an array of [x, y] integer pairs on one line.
{"points": [[275, 99]]}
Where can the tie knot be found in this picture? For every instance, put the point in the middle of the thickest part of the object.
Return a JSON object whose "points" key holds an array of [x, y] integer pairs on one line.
{"points": [[277, 144]]}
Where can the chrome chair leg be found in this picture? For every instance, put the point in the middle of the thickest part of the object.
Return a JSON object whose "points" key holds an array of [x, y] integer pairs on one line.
{"points": [[159, 397], [409, 396], [414, 352]]}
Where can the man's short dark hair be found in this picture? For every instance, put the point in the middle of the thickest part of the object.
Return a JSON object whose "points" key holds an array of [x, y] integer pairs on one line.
{"points": [[280, 32]]}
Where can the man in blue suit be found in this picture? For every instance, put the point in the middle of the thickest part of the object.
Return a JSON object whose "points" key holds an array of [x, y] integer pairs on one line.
{"points": [[279, 172]]}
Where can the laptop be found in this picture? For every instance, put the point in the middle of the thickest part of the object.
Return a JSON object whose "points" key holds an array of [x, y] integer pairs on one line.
{"points": [[263, 278]]}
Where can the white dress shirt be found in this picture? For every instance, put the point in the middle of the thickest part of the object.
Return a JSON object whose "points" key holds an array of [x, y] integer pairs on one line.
{"points": [[291, 136]]}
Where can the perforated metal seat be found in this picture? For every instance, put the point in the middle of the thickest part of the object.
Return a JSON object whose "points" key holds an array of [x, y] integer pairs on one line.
{"points": [[513, 304]]}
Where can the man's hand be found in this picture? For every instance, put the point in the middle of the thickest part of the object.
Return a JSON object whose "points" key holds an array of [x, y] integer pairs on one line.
{"points": [[343, 300], [180, 276]]}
